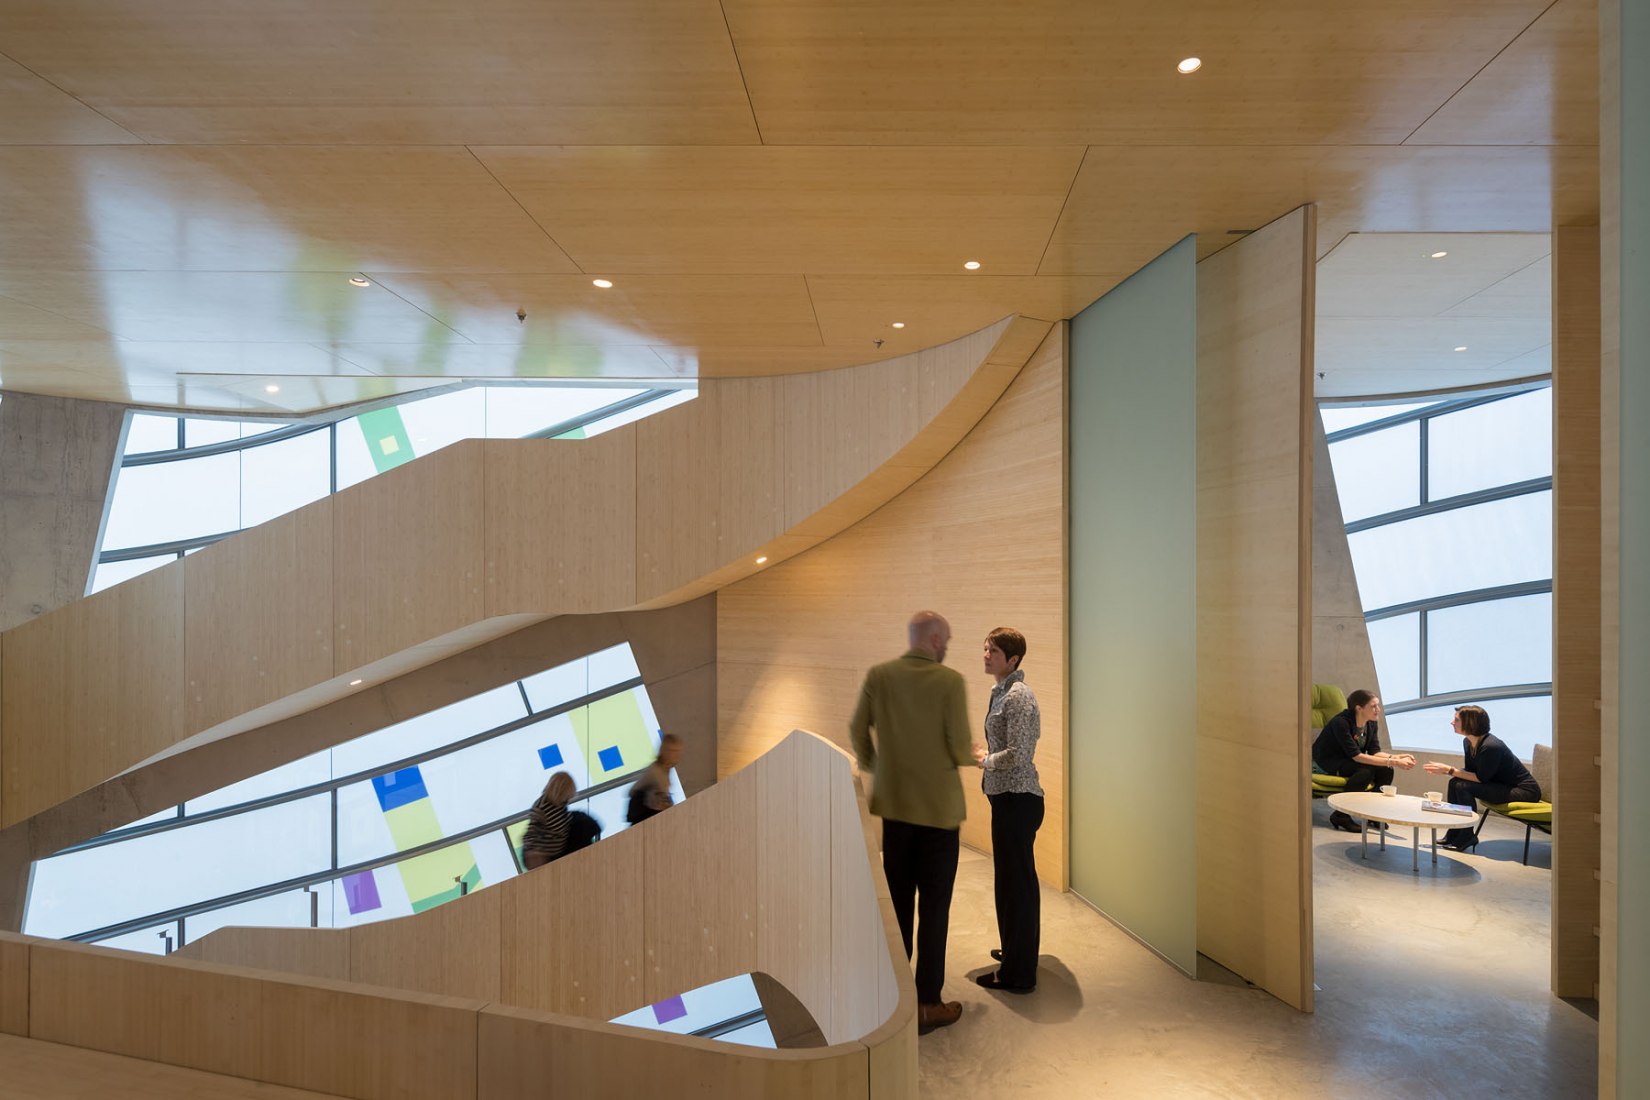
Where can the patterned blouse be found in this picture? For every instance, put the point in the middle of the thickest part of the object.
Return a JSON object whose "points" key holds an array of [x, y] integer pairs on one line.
{"points": [[1012, 726]]}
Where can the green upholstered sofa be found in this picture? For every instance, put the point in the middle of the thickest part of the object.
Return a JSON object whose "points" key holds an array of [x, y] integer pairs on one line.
{"points": [[1327, 701], [1532, 815]]}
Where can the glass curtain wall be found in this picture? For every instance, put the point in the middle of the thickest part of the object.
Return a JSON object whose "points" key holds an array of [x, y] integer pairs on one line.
{"points": [[1448, 511], [314, 842], [185, 482]]}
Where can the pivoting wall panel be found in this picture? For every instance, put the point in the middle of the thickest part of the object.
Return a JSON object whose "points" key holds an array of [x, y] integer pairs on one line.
{"points": [[1254, 467], [1133, 516]]}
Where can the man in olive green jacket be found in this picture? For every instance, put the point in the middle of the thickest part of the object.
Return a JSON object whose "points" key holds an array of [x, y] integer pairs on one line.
{"points": [[919, 709]]}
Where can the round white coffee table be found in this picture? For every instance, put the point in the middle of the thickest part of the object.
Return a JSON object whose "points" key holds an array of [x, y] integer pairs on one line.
{"points": [[1400, 809]]}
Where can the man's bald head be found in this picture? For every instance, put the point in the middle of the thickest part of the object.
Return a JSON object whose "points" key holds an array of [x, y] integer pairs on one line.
{"points": [[928, 631]]}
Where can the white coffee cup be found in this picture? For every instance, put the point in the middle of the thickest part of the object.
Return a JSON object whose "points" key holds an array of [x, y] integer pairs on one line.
{"points": [[1390, 791], [1435, 796]]}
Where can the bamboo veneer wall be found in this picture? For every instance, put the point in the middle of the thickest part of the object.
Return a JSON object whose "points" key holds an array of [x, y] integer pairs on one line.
{"points": [[467, 544], [1254, 584], [980, 538], [1576, 559], [504, 993]]}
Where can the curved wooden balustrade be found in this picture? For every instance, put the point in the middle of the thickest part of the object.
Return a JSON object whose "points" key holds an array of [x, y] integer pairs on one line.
{"points": [[465, 545], [504, 993]]}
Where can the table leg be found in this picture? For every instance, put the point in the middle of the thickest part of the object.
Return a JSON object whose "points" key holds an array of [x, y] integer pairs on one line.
{"points": [[1382, 832], [1363, 840], [1415, 849], [1435, 847]]}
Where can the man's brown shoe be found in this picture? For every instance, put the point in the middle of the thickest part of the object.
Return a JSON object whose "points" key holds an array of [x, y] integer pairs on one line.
{"points": [[932, 1016]]}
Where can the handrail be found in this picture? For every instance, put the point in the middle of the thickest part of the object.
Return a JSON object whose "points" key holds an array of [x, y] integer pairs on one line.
{"points": [[132, 832], [138, 924]]}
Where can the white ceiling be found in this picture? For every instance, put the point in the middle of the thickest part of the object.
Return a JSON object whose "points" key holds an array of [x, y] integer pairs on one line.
{"points": [[1390, 316]]}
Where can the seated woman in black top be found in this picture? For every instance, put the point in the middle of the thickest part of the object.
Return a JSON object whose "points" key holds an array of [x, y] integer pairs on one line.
{"points": [[1492, 773], [1350, 746]]}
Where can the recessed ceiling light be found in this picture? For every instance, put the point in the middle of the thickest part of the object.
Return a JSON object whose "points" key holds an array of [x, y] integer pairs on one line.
{"points": [[272, 389], [899, 324], [1439, 255], [355, 683], [1463, 347], [972, 265], [762, 559], [603, 283], [359, 280], [1190, 65]]}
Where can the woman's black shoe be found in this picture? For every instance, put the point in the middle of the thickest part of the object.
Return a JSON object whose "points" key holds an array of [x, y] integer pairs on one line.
{"points": [[1460, 840], [997, 953], [1344, 822]]}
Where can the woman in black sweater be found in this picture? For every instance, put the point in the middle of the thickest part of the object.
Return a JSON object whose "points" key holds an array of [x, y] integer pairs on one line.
{"points": [[1492, 773], [1350, 746]]}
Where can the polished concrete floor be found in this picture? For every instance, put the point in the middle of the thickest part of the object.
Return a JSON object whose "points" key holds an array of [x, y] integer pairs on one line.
{"points": [[1429, 986]]}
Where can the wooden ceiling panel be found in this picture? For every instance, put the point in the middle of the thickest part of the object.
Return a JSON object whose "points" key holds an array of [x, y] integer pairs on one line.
{"points": [[21, 321], [1542, 90], [511, 361], [893, 211], [726, 310], [393, 71], [32, 112], [1054, 72], [227, 307], [1129, 204], [154, 363], [855, 310], [263, 209], [292, 394], [741, 362]]}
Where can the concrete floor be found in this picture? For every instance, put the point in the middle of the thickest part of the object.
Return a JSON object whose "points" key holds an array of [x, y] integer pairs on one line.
{"points": [[1430, 986]]}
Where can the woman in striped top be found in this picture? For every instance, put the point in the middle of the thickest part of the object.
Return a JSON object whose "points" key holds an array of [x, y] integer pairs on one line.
{"points": [[546, 837]]}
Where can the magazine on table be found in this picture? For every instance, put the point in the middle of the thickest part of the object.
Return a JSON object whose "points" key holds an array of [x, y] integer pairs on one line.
{"points": [[1447, 808]]}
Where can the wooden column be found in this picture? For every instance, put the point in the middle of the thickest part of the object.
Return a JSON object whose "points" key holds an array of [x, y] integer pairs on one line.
{"points": [[1576, 687]]}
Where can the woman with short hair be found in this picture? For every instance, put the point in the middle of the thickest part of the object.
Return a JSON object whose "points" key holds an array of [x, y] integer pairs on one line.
{"points": [[1012, 726], [1491, 774]]}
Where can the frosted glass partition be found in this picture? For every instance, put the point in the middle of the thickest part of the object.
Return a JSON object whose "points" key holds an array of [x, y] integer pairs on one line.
{"points": [[457, 771], [185, 482], [1456, 580], [1133, 629]]}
